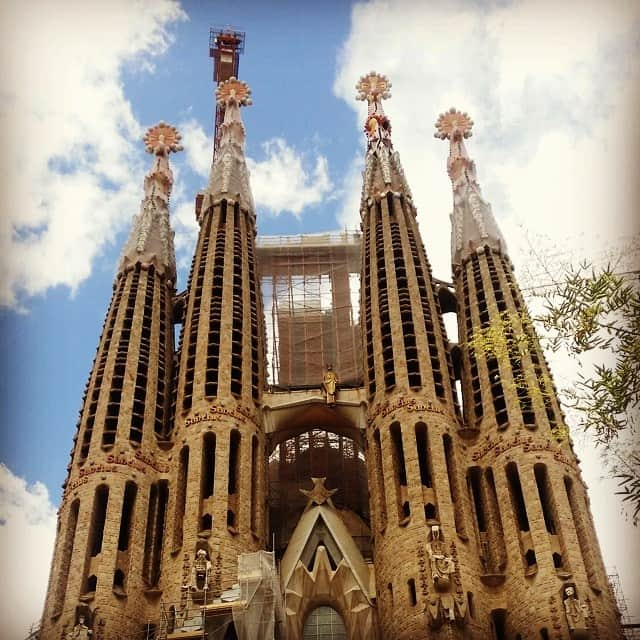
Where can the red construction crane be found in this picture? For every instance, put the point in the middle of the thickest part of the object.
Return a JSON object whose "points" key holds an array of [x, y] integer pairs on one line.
{"points": [[225, 46]]}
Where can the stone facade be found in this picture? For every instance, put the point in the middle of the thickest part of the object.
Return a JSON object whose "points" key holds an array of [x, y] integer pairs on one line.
{"points": [[472, 525]]}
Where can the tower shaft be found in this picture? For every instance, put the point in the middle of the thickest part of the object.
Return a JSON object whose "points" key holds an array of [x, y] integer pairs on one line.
{"points": [[217, 509], [115, 467], [412, 416], [534, 539]]}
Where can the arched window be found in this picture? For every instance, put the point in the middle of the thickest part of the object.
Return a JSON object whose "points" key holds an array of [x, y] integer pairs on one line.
{"points": [[324, 623]]}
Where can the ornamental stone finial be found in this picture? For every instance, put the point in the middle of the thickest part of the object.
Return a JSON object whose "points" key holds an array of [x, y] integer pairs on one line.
{"points": [[162, 139], [373, 87], [452, 124], [234, 90]]}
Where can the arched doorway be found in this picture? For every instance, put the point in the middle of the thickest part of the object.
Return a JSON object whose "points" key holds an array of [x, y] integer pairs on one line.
{"points": [[324, 623]]}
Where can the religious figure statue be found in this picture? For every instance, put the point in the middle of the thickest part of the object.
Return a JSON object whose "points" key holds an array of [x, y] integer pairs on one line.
{"points": [[201, 571], [441, 564], [443, 606], [80, 631], [329, 385], [576, 613]]}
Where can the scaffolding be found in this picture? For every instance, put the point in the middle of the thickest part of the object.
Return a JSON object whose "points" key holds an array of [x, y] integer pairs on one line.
{"points": [[311, 288], [630, 626]]}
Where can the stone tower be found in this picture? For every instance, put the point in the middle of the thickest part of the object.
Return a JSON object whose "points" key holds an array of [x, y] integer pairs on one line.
{"points": [[216, 506], [97, 572], [538, 567], [198, 495], [413, 418]]}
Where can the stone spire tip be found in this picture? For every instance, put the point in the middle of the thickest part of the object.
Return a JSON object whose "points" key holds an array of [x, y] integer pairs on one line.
{"points": [[473, 223], [453, 124], [373, 87], [162, 139], [234, 90]]}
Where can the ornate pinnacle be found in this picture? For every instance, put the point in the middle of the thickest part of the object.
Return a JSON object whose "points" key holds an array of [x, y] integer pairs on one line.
{"points": [[233, 90], [373, 87], [452, 124], [162, 139]]}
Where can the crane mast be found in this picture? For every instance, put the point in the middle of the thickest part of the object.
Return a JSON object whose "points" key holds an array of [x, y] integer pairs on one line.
{"points": [[225, 46]]}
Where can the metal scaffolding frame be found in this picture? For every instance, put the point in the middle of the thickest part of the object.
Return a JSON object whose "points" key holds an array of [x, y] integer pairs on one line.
{"points": [[310, 288]]}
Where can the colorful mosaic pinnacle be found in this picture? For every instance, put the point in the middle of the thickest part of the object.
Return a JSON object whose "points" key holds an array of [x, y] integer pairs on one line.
{"points": [[453, 121], [162, 139], [234, 89]]}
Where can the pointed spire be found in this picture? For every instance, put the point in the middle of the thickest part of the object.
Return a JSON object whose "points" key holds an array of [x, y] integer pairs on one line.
{"points": [[151, 237], [229, 173], [473, 224], [383, 170]]}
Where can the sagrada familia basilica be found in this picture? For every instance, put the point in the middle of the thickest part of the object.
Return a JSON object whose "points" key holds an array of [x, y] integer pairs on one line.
{"points": [[298, 466]]}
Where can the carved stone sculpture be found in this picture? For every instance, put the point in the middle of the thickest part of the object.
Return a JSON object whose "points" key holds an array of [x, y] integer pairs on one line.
{"points": [[201, 571], [329, 385], [576, 613], [441, 564], [80, 631], [443, 605]]}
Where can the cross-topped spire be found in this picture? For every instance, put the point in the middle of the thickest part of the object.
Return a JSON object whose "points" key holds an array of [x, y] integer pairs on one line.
{"points": [[374, 88], [151, 237], [473, 224], [161, 140], [383, 170], [229, 173], [233, 94]]}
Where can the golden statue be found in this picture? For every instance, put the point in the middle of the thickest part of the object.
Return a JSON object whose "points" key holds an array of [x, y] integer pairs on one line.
{"points": [[329, 385]]}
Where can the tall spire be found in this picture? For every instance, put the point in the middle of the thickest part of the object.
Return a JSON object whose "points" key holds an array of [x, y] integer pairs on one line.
{"points": [[383, 170], [229, 173], [151, 237], [473, 224]]}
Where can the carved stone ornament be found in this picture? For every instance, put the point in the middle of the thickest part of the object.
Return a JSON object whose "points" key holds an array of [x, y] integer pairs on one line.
{"points": [[576, 613], [330, 384], [80, 630], [319, 494], [443, 605]]}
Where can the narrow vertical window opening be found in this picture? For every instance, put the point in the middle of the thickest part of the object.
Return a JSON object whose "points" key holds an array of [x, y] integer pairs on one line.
{"points": [[128, 505]]}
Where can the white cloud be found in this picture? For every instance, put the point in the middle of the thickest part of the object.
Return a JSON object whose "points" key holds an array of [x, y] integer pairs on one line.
{"points": [[27, 534], [350, 195], [282, 182], [197, 146], [71, 141], [554, 90], [286, 180]]}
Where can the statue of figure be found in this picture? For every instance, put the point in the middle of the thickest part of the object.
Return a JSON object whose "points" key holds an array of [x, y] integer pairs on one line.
{"points": [[576, 613], [441, 564], [443, 606], [329, 384], [201, 571], [80, 631]]}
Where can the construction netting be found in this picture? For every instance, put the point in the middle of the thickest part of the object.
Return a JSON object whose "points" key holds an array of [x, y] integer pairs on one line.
{"points": [[260, 616], [311, 287]]}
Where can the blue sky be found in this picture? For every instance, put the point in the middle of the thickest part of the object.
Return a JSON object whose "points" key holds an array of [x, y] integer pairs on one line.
{"points": [[553, 90]]}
